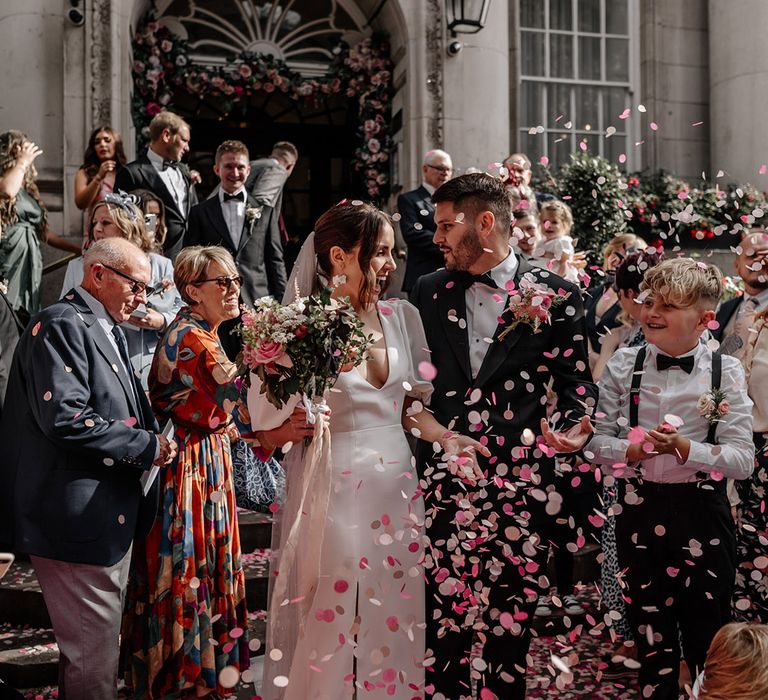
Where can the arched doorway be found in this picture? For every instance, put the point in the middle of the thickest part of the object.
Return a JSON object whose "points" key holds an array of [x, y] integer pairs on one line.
{"points": [[304, 71]]}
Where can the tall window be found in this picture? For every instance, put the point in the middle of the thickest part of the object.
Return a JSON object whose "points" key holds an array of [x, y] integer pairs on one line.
{"points": [[577, 68]]}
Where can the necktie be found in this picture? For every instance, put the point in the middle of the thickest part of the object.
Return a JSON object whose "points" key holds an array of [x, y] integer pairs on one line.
{"points": [[239, 197], [122, 346], [664, 362], [170, 164]]}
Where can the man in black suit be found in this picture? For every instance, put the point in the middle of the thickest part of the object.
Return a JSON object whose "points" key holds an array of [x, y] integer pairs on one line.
{"points": [[417, 218], [74, 448], [248, 230], [161, 171], [736, 316], [489, 541]]}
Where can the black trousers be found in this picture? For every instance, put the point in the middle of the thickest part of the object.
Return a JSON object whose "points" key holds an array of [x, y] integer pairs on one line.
{"points": [[482, 589], [677, 542]]}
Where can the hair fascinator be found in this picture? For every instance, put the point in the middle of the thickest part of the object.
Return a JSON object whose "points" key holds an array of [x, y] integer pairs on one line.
{"points": [[129, 203]]}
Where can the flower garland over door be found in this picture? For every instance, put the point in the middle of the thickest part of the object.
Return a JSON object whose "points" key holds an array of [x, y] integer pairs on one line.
{"points": [[162, 65]]}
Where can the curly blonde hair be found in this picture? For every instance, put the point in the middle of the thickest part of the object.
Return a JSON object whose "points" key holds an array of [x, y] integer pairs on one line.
{"points": [[736, 664], [11, 142], [685, 282], [132, 227]]}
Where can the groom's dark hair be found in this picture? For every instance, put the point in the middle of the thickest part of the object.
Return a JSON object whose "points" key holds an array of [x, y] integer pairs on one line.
{"points": [[476, 192]]}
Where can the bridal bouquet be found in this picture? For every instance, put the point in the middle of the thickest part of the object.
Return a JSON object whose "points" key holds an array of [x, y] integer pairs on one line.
{"points": [[300, 349]]}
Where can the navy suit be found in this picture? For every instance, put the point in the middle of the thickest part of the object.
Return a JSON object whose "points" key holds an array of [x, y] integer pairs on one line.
{"points": [[417, 224], [724, 315], [140, 174], [75, 440]]}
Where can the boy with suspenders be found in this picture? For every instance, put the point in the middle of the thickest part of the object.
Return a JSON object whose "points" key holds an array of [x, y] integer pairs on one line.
{"points": [[674, 421]]}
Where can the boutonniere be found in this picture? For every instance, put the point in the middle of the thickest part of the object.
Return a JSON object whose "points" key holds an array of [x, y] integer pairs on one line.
{"points": [[531, 304], [252, 213], [713, 405]]}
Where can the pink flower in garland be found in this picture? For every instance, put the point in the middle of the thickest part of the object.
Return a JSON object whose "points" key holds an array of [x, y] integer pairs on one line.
{"points": [[153, 108], [245, 70]]}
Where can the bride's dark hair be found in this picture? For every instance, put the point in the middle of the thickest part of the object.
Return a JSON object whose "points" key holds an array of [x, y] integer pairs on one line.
{"points": [[347, 225]]}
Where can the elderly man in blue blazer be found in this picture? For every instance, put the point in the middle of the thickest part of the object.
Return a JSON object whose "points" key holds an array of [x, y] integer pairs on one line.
{"points": [[74, 443]]}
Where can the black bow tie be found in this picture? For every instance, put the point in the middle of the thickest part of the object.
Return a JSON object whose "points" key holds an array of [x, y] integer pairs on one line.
{"points": [[239, 197], [664, 362], [170, 164], [468, 279]]}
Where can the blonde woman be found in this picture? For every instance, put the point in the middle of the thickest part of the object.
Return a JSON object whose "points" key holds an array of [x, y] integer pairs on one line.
{"points": [[24, 223], [118, 215]]}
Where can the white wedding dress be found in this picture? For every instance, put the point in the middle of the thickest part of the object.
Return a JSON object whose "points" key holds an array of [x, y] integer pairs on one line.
{"points": [[365, 625]]}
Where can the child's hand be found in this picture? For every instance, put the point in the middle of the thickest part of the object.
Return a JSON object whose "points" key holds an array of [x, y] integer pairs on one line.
{"points": [[667, 441]]}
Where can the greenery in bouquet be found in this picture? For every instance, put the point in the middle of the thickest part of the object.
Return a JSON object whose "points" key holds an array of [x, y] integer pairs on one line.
{"points": [[300, 348]]}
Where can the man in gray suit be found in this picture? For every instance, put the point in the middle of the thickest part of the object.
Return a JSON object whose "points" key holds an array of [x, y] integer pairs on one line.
{"points": [[268, 175], [74, 443]]}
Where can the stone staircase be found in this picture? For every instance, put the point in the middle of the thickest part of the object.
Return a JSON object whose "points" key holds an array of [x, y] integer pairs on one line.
{"points": [[29, 657]]}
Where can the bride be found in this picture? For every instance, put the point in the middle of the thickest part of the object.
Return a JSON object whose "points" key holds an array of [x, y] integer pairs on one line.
{"points": [[347, 609]]}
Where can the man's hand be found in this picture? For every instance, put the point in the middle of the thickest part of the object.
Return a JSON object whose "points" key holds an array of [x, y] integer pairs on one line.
{"points": [[154, 320], [168, 450], [460, 455], [570, 441]]}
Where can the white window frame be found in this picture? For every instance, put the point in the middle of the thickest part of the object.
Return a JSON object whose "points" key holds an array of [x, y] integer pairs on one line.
{"points": [[631, 125]]}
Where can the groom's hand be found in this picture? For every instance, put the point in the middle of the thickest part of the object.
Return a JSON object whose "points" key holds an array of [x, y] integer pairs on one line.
{"points": [[570, 441], [460, 456]]}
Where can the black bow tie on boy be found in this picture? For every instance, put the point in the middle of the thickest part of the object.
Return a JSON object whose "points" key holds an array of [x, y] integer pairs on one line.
{"points": [[239, 197], [664, 362]]}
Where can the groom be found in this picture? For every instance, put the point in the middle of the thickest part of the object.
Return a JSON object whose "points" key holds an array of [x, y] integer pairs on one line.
{"points": [[489, 541]]}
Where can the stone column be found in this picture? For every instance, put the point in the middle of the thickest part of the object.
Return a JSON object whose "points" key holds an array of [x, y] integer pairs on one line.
{"points": [[476, 93], [738, 84]]}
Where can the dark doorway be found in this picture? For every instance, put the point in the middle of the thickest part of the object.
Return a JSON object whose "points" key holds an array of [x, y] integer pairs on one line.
{"points": [[324, 135]]}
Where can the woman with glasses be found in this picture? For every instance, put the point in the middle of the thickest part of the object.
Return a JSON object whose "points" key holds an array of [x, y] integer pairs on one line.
{"points": [[185, 630], [118, 215]]}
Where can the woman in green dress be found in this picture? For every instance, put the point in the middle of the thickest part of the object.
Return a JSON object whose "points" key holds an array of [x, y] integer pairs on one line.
{"points": [[24, 221]]}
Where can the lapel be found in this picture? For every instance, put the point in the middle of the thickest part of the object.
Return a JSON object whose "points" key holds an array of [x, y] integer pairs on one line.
{"points": [[249, 226], [219, 224], [155, 183], [106, 349], [425, 200], [499, 349], [452, 310]]}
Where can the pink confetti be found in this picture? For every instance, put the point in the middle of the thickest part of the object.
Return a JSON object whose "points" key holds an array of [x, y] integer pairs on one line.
{"points": [[427, 371], [625, 114], [385, 310], [763, 169], [654, 126], [341, 586], [672, 571], [713, 325], [544, 161], [623, 158], [636, 435]]}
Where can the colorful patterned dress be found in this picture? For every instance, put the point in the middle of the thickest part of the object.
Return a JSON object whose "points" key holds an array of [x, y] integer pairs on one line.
{"points": [[185, 618]]}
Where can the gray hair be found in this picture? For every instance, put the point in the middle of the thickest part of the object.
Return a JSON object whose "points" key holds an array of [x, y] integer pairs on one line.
{"points": [[115, 252], [431, 156]]}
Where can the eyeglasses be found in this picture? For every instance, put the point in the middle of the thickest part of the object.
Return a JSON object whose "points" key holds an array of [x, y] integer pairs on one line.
{"points": [[440, 169], [223, 282], [136, 286]]}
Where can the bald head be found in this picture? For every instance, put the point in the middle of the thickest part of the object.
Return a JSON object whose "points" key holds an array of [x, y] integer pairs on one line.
{"points": [[117, 273]]}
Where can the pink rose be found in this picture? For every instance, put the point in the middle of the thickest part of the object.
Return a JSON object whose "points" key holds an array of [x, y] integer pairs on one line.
{"points": [[268, 352], [153, 108], [166, 45], [724, 408], [245, 71]]}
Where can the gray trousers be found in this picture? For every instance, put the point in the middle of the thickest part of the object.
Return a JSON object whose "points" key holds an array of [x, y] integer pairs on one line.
{"points": [[85, 603]]}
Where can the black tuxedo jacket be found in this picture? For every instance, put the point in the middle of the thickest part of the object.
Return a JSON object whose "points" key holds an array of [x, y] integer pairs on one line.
{"points": [[724, 315], [259, 255], [76, 436], [142, 175], [514, 375], [423, 255]]}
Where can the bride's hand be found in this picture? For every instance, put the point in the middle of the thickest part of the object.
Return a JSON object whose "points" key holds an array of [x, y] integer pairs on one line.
{"points": [[460, 453], [294, 429]]}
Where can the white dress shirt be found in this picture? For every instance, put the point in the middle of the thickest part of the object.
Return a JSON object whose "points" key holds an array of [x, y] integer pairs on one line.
{"points": [[234, 214], [674, 392], [484, 306], [173, 180]]}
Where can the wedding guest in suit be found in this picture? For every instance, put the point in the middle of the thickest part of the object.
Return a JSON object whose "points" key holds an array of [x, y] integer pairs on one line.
{"points": [[23, 223], [161, 171], [248, 230], [519, 175], [269, 175], [736, 316], [96, 176], [417, 222], [492, 375], [74, 449]]}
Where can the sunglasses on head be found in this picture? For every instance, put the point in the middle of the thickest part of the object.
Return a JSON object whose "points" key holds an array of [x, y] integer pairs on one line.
{"points": [[136, 286], [223, 282]]}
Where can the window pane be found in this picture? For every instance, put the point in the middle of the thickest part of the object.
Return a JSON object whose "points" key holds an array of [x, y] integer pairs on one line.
{"points": [[530, 104], [532, 53], [561, 14], [589, 58], [587, 108], [532, 145], [614, 147], [589, 16], [592, 140], [532, 13], [615, 101], [616, 17], [559, 149], [559, 104], [561, 55], [617, 59]]}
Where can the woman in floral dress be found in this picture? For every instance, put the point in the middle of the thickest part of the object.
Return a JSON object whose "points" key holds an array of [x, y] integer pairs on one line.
{"points": [[185, 631]]}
